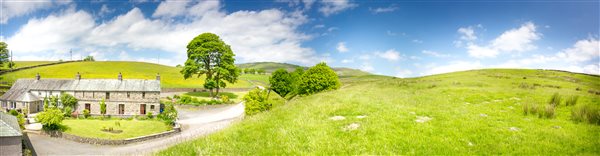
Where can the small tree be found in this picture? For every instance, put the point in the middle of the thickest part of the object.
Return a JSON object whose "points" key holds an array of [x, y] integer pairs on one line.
{"points": [[281, 82], [50, 119], [256, 101], [11, 64], [68, 110], [102, 107], [89, 58], [169, 114], [86, 113], [3, 53], [318, 78], [54, 101], [46, 103]]}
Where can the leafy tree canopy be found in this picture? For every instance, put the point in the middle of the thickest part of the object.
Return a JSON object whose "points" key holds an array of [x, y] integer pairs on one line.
{"points": [[318, 78], [281, 82]]}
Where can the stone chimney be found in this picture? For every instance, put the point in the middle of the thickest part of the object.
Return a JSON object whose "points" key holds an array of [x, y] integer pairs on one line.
{"points": [[158, 76], [78, 76], [37, 76], [120, 76]]}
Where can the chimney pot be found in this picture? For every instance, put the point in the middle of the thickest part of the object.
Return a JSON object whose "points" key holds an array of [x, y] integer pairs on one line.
{"points": [[120, 76], [158, 76], [37, 76]]}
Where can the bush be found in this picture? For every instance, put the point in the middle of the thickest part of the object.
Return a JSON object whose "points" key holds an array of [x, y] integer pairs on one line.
{"points": [[86, 113], [175, 96], [281, 82], [169, 114], [185, 100], [225, 99], [67, 111], [586, 113], [102, 107], [50, 119], [256, 101], [571, 101], [13, 112], [555, 100], [21, 120], [68, 100], [318, 78], [149, 115]]}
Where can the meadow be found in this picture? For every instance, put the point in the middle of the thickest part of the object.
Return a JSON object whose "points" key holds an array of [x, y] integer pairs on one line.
{"points": [[477, 112], [92, 128], [170, 76]]}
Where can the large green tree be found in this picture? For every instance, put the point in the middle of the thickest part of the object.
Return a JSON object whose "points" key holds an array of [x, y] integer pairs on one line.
{"points": [[208, 55], [281, 82], [3, 53]]}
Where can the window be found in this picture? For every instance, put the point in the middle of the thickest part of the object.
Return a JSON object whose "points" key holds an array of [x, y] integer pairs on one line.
{"points": [[143, 95], [127, 94], [107, 95], [40, 93], [88, 107], [13, 104], [151, 107], [83, 94]]}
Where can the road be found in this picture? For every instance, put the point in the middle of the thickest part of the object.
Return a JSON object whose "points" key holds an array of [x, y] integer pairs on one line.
{"points": [[195, 123]]}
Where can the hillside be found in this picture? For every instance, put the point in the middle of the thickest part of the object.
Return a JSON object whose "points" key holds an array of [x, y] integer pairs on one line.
{"points": [[270, 67], [477, 112], [170, 76]]}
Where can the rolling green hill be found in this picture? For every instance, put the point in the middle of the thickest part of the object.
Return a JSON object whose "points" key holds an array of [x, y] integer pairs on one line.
{"points": [[477, 112], [270, 67], [19, 64], [170, 76]]}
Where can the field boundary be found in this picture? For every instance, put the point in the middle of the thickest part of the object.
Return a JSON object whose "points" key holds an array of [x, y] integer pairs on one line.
{"points": [[170, 90], [39, 65]]}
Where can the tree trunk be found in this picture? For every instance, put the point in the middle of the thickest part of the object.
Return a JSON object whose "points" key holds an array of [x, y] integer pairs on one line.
{"points": [[211, 92], [217, 92]]}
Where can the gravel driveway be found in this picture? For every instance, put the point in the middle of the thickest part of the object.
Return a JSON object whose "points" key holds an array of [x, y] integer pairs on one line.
{"points": [[195, 123]]}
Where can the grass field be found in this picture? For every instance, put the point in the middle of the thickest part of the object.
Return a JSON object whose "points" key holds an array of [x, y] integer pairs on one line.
{"points": [[270, 67], [131, 128], [464, 113], [170, 76], [19, 64], [234, 96]]}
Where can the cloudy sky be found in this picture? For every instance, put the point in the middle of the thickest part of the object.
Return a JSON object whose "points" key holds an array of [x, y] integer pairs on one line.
{"points": [[396, 38]]}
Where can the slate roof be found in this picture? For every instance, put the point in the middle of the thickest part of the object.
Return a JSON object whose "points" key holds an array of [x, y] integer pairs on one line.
{"points": [[20, 89], [9, 125]]}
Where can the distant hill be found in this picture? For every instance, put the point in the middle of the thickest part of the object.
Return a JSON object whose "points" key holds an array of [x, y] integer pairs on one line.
{"points": [[270, 67]]}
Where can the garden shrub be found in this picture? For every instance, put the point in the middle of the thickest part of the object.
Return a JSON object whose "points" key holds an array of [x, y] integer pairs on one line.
{"points": [[50, 119], [588, 112], [225, 99], [67, 111], [184, 100], [21, 120], [68, 100], [86, 113], [256, 101], [149, 115], [13, 112], [318, 78], [169, 114]]}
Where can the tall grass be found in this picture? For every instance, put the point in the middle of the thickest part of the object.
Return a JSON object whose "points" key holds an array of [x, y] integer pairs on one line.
{"points": [[571, 101], [586, 113], [555, 100]]}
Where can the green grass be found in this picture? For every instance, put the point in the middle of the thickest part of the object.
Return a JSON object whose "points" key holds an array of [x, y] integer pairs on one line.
{"points": [[270, 67], [235, 96], [472, 113], [170, 76], [131, 128], [19, 64]]}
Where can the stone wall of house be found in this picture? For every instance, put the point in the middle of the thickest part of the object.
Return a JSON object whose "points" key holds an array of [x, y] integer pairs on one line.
{"points": [[112, 107], [10, 145]]}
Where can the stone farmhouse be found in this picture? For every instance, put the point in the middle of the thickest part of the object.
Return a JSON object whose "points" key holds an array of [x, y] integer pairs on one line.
{"points": [[123, 97]]}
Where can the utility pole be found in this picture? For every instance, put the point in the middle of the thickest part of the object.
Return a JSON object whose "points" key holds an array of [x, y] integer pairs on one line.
{"points": [[158, 59], [71, 52]]}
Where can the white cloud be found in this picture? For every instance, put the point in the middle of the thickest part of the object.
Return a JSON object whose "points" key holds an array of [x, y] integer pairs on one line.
{"points": [[174, 8], [434, 54], [274, 35], [453, 66], [341, 47], [417, 41], [347, 61], [391, 55], [402, 73], [319, 26], [11, 9], [390, 33], [514, 40], [330, 7], [366, 66], [391, 8], [592, 69], [104, 10], [467, 34], [583, 50]]}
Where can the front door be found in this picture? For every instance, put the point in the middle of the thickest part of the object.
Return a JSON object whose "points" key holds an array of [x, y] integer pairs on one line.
{"points": [[121, 109], [143, 109]]}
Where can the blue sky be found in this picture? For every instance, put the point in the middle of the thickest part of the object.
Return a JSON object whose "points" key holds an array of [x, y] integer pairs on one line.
{"points": [[396, 38]]}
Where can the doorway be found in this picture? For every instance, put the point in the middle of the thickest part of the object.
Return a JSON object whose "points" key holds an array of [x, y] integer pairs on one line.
{"points": [[121, 109], [143, 109]]}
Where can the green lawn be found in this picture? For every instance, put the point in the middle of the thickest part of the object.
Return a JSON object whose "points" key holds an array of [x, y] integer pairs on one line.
{"points": [[170, 76], [19, 64], [472, 113], [131, 128]]}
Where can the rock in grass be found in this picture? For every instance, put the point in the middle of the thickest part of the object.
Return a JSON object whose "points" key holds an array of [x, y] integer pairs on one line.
{"points": [[422, 119], [361, 116], [471, 144], [483, 115], [556, 127], [336, 118], [413, 113], [351, 127], [514, 129]]}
